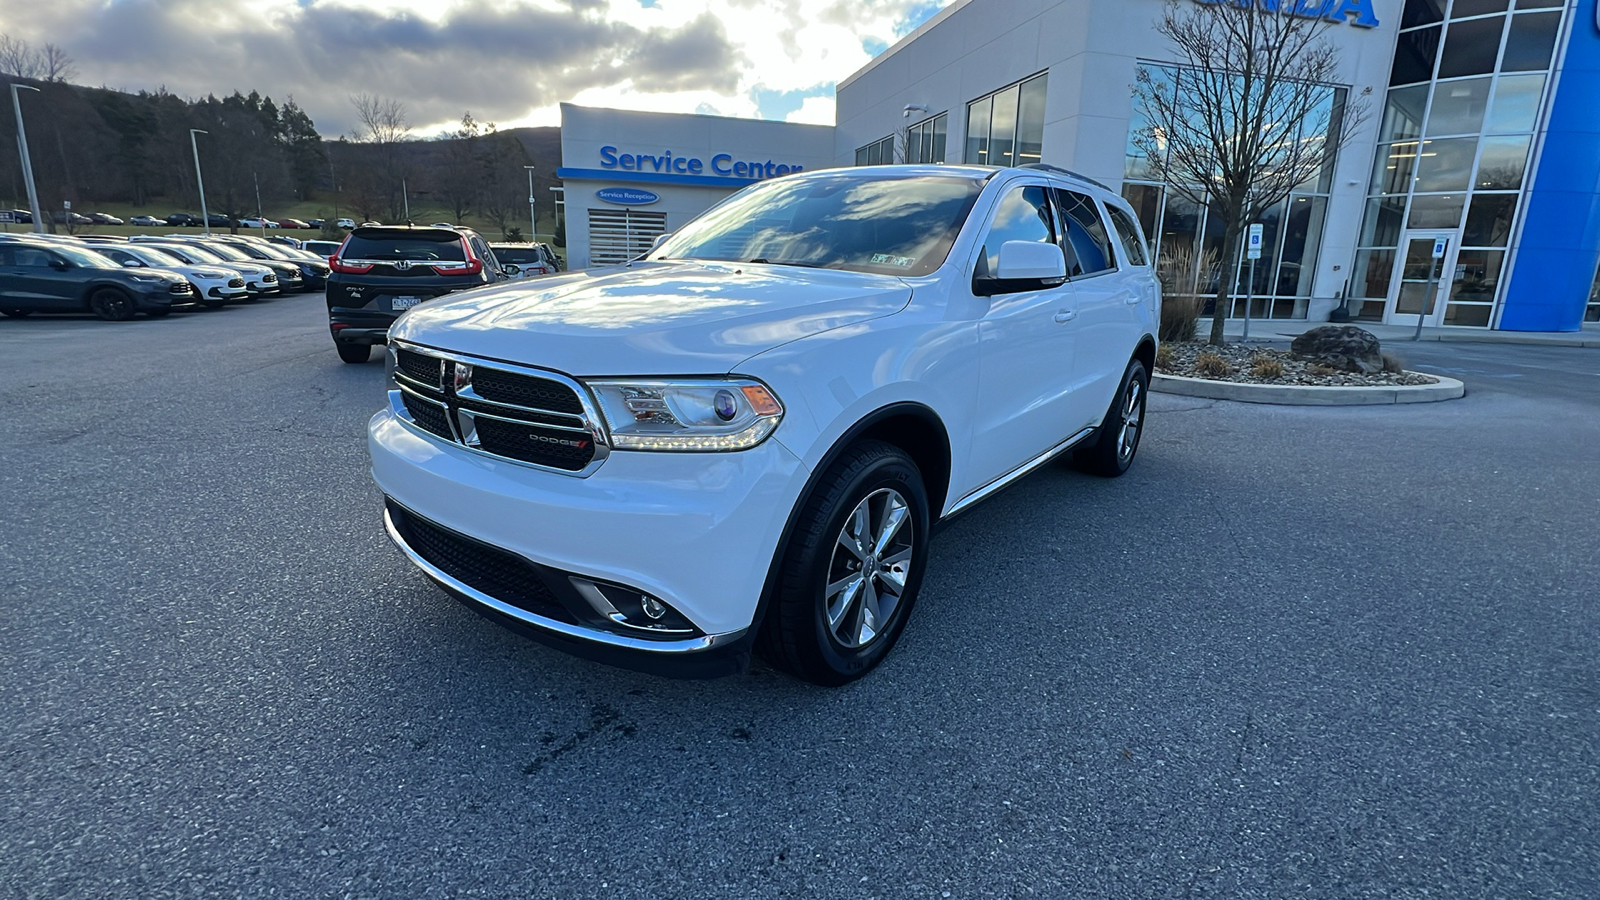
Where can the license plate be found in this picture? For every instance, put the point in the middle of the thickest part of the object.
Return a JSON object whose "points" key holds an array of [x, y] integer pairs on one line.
{"points": [[400, 303]]}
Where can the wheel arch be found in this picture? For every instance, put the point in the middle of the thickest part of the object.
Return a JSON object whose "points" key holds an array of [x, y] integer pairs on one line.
{"points": [[1146, 353]]}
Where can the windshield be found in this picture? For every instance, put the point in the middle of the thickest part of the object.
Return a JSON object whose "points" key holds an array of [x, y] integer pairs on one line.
{"points": [[518, 255], [155, 256], [430, 246], [895, 225], [82, 257], [223, 251]]}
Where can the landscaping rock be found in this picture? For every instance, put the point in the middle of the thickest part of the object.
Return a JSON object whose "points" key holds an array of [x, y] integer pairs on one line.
{"points": [[1343, 347]]}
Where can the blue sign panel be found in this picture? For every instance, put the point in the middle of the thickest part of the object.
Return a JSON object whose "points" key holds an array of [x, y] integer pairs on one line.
{"points": [[1356, 12], [627, 196]]}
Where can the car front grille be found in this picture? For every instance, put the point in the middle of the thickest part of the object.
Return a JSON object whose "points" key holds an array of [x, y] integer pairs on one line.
{"points": [[182, 288], [504, 576], [236, 282], [529, 418], [270, 278]]}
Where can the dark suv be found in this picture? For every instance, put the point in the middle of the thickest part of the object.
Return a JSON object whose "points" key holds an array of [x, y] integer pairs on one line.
{"points": [[380, 271], [62, 277]]}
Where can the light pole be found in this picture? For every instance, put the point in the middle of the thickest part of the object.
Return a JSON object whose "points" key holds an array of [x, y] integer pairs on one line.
{"points": [[261, 219], [533, 223], [27, 162], [405, 200], [205, 217]]}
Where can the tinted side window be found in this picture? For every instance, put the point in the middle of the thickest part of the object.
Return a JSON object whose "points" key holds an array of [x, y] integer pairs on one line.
{"points": [[120, 257], [1128, 233], [31, 257], [1023, 215], [1086, 233]]}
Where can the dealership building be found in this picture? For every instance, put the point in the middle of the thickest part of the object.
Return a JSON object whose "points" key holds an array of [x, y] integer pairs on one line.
{"points": [[1482, 129]]}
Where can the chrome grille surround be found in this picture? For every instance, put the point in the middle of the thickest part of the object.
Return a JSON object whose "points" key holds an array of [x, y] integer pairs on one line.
{"points": [[560, 432]]}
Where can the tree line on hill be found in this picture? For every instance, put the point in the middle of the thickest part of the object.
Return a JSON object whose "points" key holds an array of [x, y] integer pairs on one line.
{"points": [[97, 145]]}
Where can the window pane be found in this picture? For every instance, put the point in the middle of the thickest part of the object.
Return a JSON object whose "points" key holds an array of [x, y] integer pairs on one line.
{"points": [[1086, 233], [1374, 268], [1502, 163], [1381, 227], [1271, 222], [1301, 239], [1146, 202], [1180, 221], [1471, 47], [1476, 315], [1516, 103], [1023, 215], [1003, 128], [1128, 233], [1436, 211], [1489, 220], [1535, 4], [1413, 56], [978, 131], [914, 137], [1446, 165], [1402, 117], [1477, 276], [1464, 8], [940, 124], [1532, 38], [1391, 172], [1030, 121], [1458, 106], [1422, 12]]}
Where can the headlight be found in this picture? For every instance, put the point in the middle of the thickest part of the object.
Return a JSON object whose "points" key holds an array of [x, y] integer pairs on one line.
{"points": [[149, 279], [688, 416]]}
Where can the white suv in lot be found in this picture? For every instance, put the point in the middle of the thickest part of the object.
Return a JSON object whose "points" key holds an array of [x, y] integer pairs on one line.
{"points": [[744, 440]]}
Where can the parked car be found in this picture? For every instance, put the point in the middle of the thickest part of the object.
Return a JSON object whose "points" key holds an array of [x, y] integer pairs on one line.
{"points": [[257, 223], [317, 223], [346, 224], [381, 271], [292, 223], [259, 281], [184, 220], [60, 276], [530, 258], [213, 286], [146, 221], [283, 239], [67, 217], [22, 217], [324, 249], [313, 270], [218, 220], [104, 219], [290, 281], [747, 437]]}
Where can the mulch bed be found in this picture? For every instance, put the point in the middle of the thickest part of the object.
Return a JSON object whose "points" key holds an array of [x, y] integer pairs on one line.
{"points": [[1241, 358]]}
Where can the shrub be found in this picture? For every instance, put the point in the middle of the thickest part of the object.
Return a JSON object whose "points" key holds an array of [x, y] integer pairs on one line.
{"points": [[1322, 370], [1164, 358], [1266, 367], [1179, 318], [1392, 364], [1211, 365]]}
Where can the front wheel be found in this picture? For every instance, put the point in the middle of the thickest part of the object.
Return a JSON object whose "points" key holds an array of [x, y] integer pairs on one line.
{"points": [[112, 305], [353, 353], [851, 570], [1117, 440]]}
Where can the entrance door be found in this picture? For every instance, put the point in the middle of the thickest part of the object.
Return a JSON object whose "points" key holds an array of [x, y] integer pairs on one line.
{"points": [[1409, 295]]}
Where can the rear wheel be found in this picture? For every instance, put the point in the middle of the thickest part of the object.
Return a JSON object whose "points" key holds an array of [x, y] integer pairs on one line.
{"points": [[353, 353], [112, 305], [851, 570], [1117, 439]]}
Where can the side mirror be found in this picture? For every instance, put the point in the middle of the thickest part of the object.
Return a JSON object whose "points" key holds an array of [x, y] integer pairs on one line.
{"points": [[132, 264], [512, 269], [660, 239], [1023, 266]]}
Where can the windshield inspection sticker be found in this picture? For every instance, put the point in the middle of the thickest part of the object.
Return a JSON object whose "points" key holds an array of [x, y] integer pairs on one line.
{"points": [[886, 259]]}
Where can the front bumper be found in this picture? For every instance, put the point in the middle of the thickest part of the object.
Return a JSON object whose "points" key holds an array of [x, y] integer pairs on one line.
{"points": [[697, 531]]}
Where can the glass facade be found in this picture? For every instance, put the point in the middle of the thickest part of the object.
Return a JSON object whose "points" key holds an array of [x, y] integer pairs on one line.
{"points": [[1591, 313], [1454, 142], [878, 153], [1186, 238], [925, 140], [1006, 128]]}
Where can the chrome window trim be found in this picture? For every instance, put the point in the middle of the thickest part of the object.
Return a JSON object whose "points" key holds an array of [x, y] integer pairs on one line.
{"points": [[591, 422]]}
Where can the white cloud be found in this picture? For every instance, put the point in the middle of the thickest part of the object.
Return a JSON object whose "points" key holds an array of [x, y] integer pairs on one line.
{"points": [[814, 111]]}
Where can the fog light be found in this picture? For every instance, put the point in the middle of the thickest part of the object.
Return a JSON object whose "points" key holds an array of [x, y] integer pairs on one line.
{"points": [[653, 608]]}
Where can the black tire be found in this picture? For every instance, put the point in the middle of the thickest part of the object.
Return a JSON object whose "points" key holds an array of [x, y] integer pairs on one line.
{"points": [[797, 635], [1110, 452], [353, 353], [112, 305], [16, 313]]}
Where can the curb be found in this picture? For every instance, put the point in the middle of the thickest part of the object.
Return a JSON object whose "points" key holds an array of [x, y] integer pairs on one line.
{"points": [[1308, 395]]}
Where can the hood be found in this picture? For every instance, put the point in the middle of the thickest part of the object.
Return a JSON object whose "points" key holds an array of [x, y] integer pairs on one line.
{"points": [[659, 318]]}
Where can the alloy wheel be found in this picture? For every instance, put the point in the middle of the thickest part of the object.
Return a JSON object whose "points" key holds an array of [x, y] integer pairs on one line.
{"points": [[867, 573]]}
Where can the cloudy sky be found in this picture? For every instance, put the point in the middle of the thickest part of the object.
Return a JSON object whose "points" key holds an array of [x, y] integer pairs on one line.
{"points": [[508, 61]]}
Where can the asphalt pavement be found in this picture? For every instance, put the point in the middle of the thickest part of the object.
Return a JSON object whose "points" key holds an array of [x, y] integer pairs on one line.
{"points": [[1334, 652]]}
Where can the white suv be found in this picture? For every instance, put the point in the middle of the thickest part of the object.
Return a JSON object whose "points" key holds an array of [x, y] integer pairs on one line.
{"points": [[745, 439]]}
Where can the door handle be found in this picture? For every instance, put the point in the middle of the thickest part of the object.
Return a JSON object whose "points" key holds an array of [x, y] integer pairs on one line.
{"points": [[1132, 299], [1066, 315]]}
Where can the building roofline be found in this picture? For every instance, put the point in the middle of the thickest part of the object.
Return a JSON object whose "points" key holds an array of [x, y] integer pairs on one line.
{"points": [[564, 105], [894, 48]]}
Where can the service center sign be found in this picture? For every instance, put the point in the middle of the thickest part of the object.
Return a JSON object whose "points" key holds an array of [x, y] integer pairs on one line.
{"points": [[1356, 12], [669, 164], [627, 196]]}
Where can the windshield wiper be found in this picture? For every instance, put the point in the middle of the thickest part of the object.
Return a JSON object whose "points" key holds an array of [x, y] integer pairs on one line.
{"points": [[787, 262]]}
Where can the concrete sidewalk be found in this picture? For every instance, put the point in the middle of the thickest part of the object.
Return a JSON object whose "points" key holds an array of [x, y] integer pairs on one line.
{"points": [[1288, 329]]}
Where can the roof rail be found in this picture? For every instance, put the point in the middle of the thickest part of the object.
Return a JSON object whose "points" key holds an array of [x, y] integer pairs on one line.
{"points": [[1060, 171]]}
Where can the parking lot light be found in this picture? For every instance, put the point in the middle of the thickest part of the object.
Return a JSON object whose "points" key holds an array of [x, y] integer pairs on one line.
{"points": [[27, 162], [533, 224], [205, 217]]}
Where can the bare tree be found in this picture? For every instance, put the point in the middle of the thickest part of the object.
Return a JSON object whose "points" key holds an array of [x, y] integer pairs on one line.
{"points": [[1246, 118], [17, 57], [384, 124], [57, 65]]}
